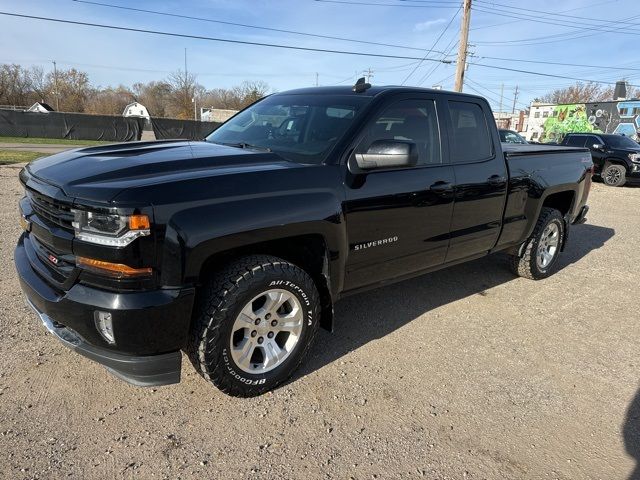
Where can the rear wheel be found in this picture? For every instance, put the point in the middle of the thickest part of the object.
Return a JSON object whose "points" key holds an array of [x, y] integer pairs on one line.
{"points": [[542, 248], [614, 175], [255, 321]]}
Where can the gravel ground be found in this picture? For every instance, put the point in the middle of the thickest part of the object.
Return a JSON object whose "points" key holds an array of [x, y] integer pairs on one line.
{"points": [[464, 373]]}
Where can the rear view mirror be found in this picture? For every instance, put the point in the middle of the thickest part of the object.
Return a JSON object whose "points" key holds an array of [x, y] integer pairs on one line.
{"points": [[597, 146], [388, 154]]}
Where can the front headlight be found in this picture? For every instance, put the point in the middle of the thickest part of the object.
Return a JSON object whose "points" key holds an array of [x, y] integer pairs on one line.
{"points": [[109, 229], [634, 157]]}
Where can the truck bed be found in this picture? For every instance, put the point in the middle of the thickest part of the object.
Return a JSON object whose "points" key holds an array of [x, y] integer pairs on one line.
{"points": [[512, 149]]}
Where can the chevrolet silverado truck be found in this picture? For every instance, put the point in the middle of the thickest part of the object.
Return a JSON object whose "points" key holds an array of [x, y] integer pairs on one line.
{"points": [[234, 249]]}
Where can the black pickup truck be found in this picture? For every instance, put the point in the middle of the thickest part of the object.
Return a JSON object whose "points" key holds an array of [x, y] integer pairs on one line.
{"points": [[234, 249]]}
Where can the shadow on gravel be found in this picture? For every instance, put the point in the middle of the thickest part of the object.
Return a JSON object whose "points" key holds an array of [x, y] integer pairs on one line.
{"points": [[364, 317], [631, 434]]}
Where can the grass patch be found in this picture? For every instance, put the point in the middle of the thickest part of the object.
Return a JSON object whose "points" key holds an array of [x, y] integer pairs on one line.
{"points": [[56, 141], [11, 156]]}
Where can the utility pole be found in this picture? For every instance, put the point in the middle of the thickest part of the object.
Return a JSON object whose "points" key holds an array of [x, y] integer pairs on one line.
{"points": [[461, 64], [316, 79], [368, 73], [501, 96], [515, 97], [55, 85]]}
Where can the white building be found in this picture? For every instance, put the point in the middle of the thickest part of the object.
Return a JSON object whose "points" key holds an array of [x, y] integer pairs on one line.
{"points": [[135, 109], [40, 107], [538, 114]]}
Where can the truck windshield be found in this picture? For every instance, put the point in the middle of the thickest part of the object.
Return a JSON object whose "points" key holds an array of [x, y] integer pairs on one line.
{"points": [[618, 141], [300, 128]]}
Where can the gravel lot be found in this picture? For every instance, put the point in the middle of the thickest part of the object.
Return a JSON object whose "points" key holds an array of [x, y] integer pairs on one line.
{"points": [[464, 373]]}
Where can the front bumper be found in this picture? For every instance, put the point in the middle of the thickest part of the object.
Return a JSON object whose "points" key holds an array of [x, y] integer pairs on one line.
{"points": [[150, 327]]}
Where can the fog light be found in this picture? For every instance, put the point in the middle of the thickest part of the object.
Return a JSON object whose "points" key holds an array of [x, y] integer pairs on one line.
{"points": [[104, 325]]}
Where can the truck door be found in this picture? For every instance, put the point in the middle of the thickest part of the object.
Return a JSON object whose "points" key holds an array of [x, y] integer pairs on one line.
{"points": [[398, 218], [598, 155], [481, 179]]}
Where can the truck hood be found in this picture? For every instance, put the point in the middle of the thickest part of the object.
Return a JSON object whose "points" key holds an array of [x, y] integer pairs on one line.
{"points": [[100, 173]]}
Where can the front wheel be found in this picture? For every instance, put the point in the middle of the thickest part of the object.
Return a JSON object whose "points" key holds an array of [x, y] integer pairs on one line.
{"points": [[542, 248], [614, 175], [255, 321]]}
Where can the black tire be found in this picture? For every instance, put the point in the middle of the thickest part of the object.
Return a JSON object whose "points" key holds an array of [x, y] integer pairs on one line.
{"points": [[527, 265], [219, 304], [614, 175]]}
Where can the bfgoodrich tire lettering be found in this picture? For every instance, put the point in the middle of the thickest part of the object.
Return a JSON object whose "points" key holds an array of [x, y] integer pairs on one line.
{"points": [[541, 250], [225, 298]]}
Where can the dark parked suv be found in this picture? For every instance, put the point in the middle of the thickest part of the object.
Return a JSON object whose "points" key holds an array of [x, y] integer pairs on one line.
{"points": [[616, 158]]}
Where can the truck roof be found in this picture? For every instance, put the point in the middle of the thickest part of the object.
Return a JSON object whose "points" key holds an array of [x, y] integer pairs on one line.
{"points": [[370, 92]]}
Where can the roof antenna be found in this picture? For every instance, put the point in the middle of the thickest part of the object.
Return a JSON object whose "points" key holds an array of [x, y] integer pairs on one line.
{"points": [[361, 86]]}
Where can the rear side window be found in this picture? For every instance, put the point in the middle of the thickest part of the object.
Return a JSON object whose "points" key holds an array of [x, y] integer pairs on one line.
{"points": [[470, 138], [576, 141]]}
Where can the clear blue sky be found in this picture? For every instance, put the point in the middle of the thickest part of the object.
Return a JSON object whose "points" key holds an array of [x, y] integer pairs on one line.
{"points": [[113, 58]]}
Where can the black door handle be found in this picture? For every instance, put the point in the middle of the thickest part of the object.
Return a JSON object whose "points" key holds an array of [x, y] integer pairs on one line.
{"points": [[441, 187], [496, 180]]}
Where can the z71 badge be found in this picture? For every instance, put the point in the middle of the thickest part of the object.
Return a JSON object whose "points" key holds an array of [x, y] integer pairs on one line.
{"points": [[375, 243]]}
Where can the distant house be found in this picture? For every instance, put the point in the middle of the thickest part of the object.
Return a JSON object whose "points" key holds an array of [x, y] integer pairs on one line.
{"points": [[135, 109], [40, 107]]}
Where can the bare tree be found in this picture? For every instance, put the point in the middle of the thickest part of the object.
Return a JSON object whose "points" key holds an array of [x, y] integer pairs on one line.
{"points": [[238, 97], [153, 95], [578, 93], [184, 89], [109, 101], [73, 89]]}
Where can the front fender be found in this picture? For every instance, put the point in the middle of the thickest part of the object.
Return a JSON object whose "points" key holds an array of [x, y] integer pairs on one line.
{"points": [[195, 234]]}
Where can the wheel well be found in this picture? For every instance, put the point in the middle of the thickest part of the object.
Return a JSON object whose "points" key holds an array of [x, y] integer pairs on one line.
{"points": [[308, 252], [561, 201], [615, 161]]}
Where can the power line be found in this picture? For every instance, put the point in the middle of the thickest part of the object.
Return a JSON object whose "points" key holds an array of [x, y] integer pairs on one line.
{"points": [[245, 25], [495, 67], [531, 18], [214, 39], [554, 14], [557, 13], [434, 44], [601, 67], [435, 5], [288, 47], [453, 43]]}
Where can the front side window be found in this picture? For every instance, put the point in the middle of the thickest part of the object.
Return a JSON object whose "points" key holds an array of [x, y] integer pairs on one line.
{"points": [[470, 138], [300, 128], [620, 141], [411, 120]]}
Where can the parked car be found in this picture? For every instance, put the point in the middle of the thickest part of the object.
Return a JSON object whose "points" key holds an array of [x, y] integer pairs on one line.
{"points": [[616, 158], [509, 136], [235, 249]]}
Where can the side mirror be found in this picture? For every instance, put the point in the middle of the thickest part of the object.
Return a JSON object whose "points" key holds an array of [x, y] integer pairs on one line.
{"points": [[597, 146], [388, 154]]}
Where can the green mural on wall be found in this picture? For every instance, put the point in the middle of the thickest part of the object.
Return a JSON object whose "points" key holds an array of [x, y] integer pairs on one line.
{"points": [[565, 119]]}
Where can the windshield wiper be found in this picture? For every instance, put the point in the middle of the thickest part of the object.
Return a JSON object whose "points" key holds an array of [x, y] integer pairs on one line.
{"points": [[245, 145]]}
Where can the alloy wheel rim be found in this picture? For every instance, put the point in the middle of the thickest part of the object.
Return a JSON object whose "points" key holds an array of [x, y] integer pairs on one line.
{"points": [[613, 175], [266, 331], [548, 245]]}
